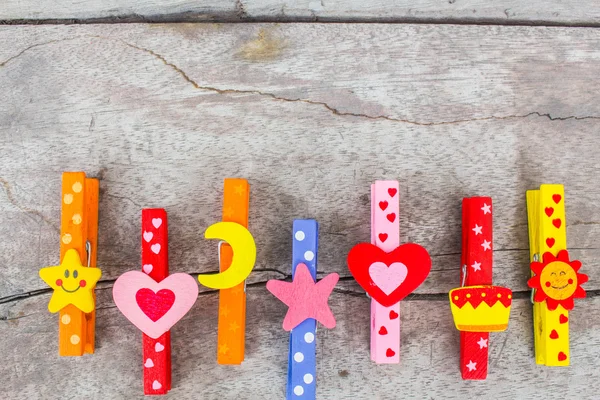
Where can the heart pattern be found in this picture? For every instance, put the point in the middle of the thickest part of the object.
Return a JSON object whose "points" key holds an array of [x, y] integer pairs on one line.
{"points": [[556, 198], [407, 267], [550, 242], [156, 222], [383, 205], [553, 334], [557, 223], [388, 278], [390, 353], [392, 192], [563, 319], [155, 248], [383, 331], [549, 211], [391, 217], [562, 356], [154, 307], [148, 236], [147, 268], [383, 237], [393, 314]]}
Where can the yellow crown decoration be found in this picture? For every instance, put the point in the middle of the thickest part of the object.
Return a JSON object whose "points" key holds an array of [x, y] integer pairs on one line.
{"points": [[481, 308]]}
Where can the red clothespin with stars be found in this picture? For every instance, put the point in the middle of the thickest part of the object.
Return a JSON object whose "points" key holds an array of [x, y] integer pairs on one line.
{"points": [[477, 307]]}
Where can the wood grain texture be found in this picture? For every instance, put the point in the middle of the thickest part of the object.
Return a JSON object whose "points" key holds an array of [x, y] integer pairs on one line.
{"points": [[311, 115], [428, 367], [563, 12]]}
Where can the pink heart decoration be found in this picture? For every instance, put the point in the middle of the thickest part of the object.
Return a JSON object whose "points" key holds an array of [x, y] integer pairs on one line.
{"points": [[388, 278], [154, 307], [148, 236], [155, 248], [156, 222]]}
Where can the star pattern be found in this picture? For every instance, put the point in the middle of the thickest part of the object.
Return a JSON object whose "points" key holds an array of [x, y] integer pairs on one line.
{"points": [[482, 343], [472, 366], [486, 209], [72, 282], [305, 298], [239, 190], [476, 266], [477, 230], [233, 327], [486, 245]]}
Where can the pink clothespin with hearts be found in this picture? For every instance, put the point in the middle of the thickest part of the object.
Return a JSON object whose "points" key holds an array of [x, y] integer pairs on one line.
{"points": [[387, 271]]}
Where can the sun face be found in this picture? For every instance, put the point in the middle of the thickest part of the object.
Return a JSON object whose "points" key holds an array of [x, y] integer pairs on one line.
{"points": [[556, 280]]}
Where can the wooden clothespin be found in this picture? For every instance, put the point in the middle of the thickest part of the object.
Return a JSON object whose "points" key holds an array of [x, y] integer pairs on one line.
{"points": [[555, 279], [477, 307], [307, 302], [75, 278], [154, 301], [236, 260], [387, 271]]}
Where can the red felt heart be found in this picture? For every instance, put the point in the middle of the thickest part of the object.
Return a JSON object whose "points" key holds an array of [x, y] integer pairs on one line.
{"points": [[549, 211], [550, 242], [553, 334], [383, 237], [392, 192], [383, 331], [413, 257], [155, 305], [391, 217], [563, 319], [393, 314], [390, 353], [556, 222], [383, 205], [556, 198], [562, 356]]}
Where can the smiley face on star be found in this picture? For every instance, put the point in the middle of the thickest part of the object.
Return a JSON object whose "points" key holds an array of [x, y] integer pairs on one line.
{"points": [[72, 283]]}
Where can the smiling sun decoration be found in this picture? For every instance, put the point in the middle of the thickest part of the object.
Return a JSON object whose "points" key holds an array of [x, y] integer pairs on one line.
{"points": [[556, 280]]}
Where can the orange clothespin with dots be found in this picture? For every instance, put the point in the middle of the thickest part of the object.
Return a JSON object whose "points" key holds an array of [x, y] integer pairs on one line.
{"points": [[556, 280], [75, 278]]}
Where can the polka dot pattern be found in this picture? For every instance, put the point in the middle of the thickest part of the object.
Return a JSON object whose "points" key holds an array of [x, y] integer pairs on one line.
{"points": [[302, 360]]}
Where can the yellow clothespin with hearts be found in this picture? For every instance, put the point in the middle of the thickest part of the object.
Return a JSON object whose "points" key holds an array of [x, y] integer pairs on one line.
{"points": [[555, 279]]}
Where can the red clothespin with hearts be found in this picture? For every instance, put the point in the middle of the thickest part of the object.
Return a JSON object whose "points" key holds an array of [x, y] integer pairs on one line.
{"points": [[387, 271], [477, 307], [154, 301]]}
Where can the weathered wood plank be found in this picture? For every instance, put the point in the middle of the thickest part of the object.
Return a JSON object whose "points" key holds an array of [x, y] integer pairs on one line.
{"points": [[564, 12], [428, 368], [311, 115]]}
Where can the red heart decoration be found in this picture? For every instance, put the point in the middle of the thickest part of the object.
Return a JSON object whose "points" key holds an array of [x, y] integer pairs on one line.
{"points": [[556, 222], [563, 319], [391, 217], [549, 211], [553, 334], [562, 356], [393, 314], [383, 205], [155, 305], [550, 242], [390, 353], [383, 331], [556, 198], [392, 192], [383, 237], [414, 257]]}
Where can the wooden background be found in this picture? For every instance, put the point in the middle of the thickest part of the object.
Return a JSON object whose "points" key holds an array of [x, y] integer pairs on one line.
{"points": [[445, 96]]}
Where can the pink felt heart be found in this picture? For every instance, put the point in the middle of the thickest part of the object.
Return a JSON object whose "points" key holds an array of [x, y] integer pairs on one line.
{"points": [[388, 278], [141, 299], [148, 236]]}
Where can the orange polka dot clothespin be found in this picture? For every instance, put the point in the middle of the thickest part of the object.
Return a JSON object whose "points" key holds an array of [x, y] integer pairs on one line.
{"points": [[75, 278], [555, 279]]}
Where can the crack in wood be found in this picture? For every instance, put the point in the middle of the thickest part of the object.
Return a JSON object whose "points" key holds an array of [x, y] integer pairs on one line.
{"points": [[323, 104]]}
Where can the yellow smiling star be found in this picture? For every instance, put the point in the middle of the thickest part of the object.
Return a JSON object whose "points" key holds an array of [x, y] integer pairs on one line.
{"points": [[72, 283]]}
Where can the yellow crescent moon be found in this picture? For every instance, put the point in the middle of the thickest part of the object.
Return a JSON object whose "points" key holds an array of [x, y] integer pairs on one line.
{"points": [[244, 255]]}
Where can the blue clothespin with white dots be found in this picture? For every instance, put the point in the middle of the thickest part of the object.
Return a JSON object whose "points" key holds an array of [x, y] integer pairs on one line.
{"points": [[307, 302]]}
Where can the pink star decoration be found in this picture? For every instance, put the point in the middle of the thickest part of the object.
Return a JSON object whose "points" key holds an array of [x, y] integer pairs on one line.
{"points": [[305, 298]]}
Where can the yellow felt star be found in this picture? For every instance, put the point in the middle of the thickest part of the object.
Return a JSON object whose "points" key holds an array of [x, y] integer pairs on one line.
{"points": [[72, 283], [239, 190], [234, 327], [223, 349]]}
